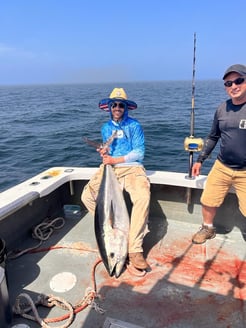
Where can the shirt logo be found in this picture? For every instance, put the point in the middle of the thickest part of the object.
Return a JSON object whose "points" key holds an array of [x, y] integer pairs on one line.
{"points": [[120, 133], [242, 124]]}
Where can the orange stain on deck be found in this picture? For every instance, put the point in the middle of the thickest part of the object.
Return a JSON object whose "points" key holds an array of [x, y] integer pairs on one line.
{"points": [[188, 285], [220, 273]]}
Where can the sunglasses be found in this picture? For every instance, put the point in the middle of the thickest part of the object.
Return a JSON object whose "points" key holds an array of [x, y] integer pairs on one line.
{"points": [[238, 81], [120, 105]]}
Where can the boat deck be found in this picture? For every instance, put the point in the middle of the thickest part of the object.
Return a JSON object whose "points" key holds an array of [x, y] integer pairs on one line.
{"points": [[187, 286]]}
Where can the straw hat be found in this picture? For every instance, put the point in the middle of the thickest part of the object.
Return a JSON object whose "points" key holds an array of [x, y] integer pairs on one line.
{"points": [[118, 94]]}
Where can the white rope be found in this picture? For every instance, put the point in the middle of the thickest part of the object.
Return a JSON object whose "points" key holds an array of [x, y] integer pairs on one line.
{"points": [[44, 230], [49, 301], [41, 232]]}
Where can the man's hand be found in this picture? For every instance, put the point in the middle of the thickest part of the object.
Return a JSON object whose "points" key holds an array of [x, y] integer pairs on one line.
{"points": [[103, 151], [107, 159], [196, 169]]}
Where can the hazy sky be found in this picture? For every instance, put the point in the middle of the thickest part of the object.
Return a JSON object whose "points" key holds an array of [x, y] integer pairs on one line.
{"points": [[73, 41]]}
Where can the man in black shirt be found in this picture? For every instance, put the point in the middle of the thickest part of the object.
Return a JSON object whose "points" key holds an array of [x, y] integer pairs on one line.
{"points": [[229, 169]]}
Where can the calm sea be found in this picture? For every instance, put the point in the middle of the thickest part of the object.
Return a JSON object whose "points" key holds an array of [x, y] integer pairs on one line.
{"points": [[43, 126]]}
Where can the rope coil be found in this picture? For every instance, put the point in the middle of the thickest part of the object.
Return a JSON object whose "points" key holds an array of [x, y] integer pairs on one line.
{"points": [[42, 232], [23, 308], [48, 301], [24, 303]]}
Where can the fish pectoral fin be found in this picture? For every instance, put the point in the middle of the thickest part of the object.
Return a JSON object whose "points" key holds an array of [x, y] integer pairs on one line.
{"points": [[111, 216]]}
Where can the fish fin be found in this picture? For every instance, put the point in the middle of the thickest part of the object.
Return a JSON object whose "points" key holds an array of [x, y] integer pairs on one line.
{"points": [[111, 216]]}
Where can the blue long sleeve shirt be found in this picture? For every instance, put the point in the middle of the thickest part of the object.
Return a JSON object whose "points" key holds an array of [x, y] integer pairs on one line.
{"points": [[129, 140]]}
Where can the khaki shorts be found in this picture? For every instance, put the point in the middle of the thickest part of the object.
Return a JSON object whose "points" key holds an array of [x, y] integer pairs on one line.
{"points": [[131, 178], [220, 179]]}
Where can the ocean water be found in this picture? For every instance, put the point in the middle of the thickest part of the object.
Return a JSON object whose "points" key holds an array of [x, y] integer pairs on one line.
{"points": [[43, 126]]}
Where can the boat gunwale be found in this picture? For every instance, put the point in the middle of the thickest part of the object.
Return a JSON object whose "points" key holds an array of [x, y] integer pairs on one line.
{"points": [[49, 180]]}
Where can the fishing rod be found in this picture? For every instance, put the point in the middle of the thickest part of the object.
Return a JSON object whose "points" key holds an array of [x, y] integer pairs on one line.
{"points": [[192, 144], [192, 120]]}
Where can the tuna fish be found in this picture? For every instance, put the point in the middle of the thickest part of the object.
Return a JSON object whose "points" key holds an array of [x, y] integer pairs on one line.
{"points": [[111, 223]]}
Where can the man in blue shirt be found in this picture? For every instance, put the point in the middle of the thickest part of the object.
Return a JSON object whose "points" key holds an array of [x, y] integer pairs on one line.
{"points": [[125, 154], [229, 169]]}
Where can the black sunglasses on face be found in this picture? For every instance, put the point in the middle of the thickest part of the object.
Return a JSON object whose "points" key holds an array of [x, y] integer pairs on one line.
{"points": [[238, 81], [120, 105]]}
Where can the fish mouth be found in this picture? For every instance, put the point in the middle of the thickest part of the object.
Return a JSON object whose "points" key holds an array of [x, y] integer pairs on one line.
{"points": [[115, 265]]}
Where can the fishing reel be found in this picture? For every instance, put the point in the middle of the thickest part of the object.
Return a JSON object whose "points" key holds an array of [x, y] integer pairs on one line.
{"points": [[193, 144]]}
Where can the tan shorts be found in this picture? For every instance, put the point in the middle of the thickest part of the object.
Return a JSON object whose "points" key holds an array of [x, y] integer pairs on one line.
{"points": [[220, 179], [131, 178]]}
